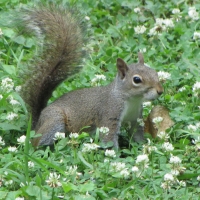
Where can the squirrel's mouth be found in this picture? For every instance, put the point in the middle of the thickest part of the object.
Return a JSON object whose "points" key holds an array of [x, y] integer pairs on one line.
{"points": [[151, 94]]}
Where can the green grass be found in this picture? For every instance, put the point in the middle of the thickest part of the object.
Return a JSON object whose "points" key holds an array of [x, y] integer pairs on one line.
{"points": [[77, 174]]}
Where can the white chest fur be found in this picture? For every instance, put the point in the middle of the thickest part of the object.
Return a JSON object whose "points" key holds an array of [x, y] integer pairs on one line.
{"points": [[132, 110]]}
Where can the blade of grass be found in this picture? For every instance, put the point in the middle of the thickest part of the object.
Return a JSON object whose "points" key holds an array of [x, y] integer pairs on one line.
{"points": [[26, 149]]}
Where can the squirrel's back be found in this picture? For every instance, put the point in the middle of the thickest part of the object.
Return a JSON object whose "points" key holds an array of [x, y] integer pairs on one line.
{"points": [[61, 32]]}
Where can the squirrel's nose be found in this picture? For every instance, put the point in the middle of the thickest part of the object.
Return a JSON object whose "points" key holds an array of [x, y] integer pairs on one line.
{"points": [[159, 89], [160, 92]]}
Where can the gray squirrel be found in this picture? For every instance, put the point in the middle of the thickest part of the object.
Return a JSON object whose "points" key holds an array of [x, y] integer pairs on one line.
{"points": [[109, 106]]}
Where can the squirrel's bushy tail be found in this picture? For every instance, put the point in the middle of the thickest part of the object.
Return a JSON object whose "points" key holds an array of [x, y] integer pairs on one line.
{"points": [[62, 34]]}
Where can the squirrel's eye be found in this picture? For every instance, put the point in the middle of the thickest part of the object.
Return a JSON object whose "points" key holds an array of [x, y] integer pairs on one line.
{"points": [[137, 79]]}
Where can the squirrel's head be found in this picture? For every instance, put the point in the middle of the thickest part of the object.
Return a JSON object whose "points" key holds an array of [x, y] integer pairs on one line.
{"points": [[138, 80]]}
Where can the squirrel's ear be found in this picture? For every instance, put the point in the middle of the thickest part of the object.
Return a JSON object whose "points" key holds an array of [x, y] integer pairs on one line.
{"points": [[140, 58], [122, 68]]}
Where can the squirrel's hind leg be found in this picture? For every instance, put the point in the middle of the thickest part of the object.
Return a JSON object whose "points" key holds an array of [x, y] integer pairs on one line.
{"points": [[48, 125]]}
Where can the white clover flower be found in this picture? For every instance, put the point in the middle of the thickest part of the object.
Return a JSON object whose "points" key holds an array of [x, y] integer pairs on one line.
{"points": [[163, 76], [117, 166], [120, 166], [71, 170], [104, 130], [7, 84], [160, 26], [9, 182], [91, 140], [142, 160], [12, 149], [159, 21], [19, 198], [169, 177], [182, 183], [137, 10], [193, 14], [110, 153], [154, 31], [22, 184], [182, 89], [198, 178], [169, 180], [18, 88], [167, 146], [31, 164], [125, 173], [176, 11], [5, 173], [6, 81], [87, 18], [140, 29], [196, 88], [147, 149], [175, 160], [196, 35], [87, 147], [10, 116], [168, 23], [73, 135], [192, 127], [2, 143], [175, 172], [157, 120], [106, 160], [176, 14], [1, 96], [21, 140], [165, 186], [59, 136], [162, 135], [135, 169], [147, 104], [98, 78], [14, 102], [53, 180]]}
